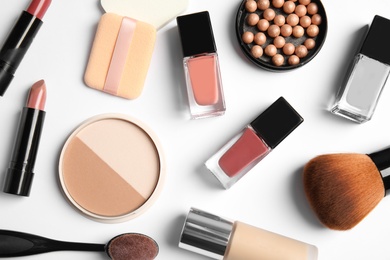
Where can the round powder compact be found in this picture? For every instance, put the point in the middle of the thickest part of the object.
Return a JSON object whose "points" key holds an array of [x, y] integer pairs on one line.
{"points": [[294, 30], [112, 168]]}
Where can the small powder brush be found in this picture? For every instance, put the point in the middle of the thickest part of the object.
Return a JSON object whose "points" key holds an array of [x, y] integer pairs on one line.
{"points": [[343, 188]]}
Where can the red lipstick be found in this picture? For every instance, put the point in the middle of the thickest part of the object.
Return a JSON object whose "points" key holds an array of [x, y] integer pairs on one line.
{"points": [[19, 41], [20, 174]]}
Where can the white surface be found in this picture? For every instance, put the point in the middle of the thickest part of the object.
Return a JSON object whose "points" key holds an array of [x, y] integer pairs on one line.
{"points": [[270, 196]]}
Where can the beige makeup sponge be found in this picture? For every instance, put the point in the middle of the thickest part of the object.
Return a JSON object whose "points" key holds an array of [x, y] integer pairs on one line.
{"points": [[139, 53]]}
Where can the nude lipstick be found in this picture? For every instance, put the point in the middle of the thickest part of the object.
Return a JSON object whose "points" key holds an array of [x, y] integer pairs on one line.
{"points": [[20, 174], [19, 41]]}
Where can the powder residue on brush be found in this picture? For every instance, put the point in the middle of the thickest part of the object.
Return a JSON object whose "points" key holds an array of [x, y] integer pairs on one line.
{"points": [[132, 247]]}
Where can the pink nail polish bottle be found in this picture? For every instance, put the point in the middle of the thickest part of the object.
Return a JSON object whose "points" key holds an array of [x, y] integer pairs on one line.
{"points": [[201, 66], [254, 142]]}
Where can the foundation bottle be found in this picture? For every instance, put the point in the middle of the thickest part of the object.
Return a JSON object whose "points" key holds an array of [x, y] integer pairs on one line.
{"points": [[222, 239]]}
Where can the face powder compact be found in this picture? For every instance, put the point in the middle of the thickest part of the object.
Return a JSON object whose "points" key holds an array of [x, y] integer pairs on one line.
{"points": [[112, 168], [279, 35]]}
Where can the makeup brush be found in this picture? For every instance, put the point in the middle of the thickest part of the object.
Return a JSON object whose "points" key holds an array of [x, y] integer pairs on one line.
{"points": [[130, 246], [343, 188]]}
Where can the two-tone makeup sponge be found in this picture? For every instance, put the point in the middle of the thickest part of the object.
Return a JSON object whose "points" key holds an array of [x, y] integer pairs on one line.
{"points": [[124, 43]]}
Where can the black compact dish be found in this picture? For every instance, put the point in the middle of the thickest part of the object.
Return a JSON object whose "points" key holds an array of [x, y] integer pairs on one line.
{"points": [[265, 61]]}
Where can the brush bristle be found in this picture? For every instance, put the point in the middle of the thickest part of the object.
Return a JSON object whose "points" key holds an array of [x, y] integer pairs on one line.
{"points": [[342, 188], [132, 246]]}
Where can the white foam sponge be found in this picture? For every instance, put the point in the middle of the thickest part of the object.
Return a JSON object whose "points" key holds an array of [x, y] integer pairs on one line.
{"points": [[155, 12]]}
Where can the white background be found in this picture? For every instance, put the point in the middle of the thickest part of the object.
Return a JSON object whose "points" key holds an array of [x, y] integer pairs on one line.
{"points": [[270, 196]]}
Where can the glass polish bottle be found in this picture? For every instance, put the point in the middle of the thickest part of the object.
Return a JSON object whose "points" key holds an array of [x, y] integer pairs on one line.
{"points": [[254, 142], [358, 96], [223, 239], [201, 65]]}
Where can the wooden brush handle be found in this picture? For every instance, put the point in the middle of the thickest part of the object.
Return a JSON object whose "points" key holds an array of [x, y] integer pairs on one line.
{"points": [[382, 162]]}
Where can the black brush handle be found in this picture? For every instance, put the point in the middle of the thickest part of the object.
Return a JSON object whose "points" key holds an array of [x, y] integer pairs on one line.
{"points": [[14, 243], [382, 162]]}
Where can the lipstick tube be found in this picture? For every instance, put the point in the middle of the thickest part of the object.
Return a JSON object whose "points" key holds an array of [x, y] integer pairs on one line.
{"points": [[359, 96], [19, 40], [254, 142], [224, 239], [19, 175], [201, 66]]}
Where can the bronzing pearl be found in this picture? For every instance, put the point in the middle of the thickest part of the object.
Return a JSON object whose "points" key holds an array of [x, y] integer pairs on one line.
{"points": [[263, 4], [257, 51], [279, 42], [309, 43], [304, 2], [312, 8], [269, 14], [263, 25], [293, 60], [305, 21], [289, 7], [279, 20], [286, 30], [278, 60], [260, 38], [301, 51], [252, 19], [316, 19], [312, 30], [298, 31], [300, 10], [251, 6], [273, 31], [288, 48], [270, 50], [247, 37], [292, 19], [277, 3]]}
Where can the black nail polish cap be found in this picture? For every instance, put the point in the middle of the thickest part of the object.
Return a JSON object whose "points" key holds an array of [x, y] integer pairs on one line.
{"points": [[276, 122], [377, 42], [196, 34]]}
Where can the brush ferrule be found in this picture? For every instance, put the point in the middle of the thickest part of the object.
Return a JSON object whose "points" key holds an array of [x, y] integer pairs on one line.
{"points": [[382, 162], [386, 180]]}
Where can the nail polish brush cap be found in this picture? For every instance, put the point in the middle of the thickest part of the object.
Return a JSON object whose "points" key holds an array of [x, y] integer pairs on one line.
{"points": [[196, 34], [377, 42], [206, 234], [276, 122]]}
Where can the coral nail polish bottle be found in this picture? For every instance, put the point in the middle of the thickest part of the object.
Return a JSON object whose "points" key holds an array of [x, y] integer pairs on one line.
{"points": [[254, 142], [358, 97], [201, 65], [223, 239]]}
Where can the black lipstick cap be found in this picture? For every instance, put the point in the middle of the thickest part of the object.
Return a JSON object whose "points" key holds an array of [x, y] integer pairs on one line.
{"points": [[15, 47], [19, 175]]}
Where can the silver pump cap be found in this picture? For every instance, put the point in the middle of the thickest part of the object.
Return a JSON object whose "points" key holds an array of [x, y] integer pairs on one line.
{"points": [[206, 234]]}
